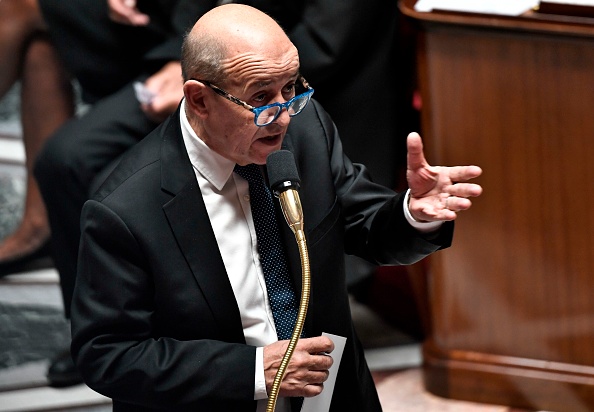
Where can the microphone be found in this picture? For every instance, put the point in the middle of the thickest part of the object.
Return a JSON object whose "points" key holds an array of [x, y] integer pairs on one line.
{"points": [[284, 182]]}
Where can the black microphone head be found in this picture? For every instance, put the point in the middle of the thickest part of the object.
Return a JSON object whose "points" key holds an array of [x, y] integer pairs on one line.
{"points": [[282, 171]]}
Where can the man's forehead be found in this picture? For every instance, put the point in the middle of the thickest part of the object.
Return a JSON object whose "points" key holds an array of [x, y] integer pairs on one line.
{"points": [[265, 82], [262, 70], [279, 55]]}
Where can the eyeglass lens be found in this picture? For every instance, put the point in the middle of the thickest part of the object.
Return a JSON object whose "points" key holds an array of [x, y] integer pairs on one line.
{"points": [[295, 107]]}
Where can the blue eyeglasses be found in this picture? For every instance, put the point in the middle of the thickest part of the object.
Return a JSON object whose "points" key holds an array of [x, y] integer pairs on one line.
{"points": [[264, 115]]}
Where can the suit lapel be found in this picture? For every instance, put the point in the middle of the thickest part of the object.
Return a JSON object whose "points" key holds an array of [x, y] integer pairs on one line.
{"points": [[188, 218]]}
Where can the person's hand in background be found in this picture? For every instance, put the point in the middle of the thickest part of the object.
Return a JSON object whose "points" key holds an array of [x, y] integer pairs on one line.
{"points": [[126, 12], [166, 87]]}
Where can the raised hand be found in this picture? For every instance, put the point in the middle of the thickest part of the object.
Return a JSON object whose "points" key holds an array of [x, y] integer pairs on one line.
{"points": [[437, 192], [125, 12], [167, 86]]}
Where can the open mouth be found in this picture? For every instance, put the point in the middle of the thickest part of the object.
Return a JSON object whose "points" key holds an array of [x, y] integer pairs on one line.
{"points": [[271, 140]]}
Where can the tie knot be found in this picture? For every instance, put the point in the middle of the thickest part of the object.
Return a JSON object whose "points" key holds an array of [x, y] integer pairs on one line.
{"points": [[250, 172]]}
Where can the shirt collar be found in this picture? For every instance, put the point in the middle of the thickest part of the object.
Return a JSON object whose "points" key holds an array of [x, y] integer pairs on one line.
{"points": [[211, 165]]}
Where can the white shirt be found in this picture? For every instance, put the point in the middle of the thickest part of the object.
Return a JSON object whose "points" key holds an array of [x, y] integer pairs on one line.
{"points": [[227, 200], [226, 196]]}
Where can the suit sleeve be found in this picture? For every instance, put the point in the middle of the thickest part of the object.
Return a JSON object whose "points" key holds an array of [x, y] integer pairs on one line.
{"points": [[114, 343], [375, 226]]}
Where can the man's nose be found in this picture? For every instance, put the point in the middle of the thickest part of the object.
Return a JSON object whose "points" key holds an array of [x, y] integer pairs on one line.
{"points": [[283, 118]]}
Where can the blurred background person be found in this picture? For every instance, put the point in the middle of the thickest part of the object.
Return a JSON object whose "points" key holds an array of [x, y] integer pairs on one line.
{"points": [[46, 102], [126, 59]]}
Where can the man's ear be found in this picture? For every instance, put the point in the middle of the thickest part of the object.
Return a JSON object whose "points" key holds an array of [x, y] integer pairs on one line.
{"points": [[195, 93]]}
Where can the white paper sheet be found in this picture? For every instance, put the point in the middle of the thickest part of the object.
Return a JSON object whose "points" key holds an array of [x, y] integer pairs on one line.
{"points": [[502, 7], [321, 403]]}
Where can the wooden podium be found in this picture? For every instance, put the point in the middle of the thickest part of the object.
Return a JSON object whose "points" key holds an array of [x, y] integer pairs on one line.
{"points": [[512, 301]]}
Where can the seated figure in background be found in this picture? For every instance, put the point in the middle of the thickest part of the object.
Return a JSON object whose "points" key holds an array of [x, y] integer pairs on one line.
{"points": [[114, 49], [46, 102]]}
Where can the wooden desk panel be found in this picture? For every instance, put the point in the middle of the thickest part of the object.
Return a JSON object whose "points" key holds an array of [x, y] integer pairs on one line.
{"points": [[513, 299]]}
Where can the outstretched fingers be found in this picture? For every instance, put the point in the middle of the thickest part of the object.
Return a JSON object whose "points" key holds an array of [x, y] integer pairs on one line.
{"points": [[464, 173], [464, 190]]}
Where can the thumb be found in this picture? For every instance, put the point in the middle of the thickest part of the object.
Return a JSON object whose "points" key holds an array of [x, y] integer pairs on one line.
{"points": [[415, 156]]}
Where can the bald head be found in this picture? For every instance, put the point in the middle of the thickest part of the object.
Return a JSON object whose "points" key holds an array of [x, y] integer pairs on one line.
{"points": [[236, 60], [227, 36], [239, 23]]}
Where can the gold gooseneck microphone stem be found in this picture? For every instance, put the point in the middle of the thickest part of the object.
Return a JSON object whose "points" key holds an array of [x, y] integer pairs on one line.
{"points": [[291, 206]]}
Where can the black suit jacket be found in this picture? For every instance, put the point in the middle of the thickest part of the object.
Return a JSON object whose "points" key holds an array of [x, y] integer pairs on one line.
{"points": [[155, 322]]}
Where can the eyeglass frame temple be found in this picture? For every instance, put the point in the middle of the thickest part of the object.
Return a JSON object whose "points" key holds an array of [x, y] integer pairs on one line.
{"points": [[226, 95]]}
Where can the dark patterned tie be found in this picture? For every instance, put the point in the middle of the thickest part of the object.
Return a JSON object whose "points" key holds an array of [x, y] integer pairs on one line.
{"points": [[281, 294]]}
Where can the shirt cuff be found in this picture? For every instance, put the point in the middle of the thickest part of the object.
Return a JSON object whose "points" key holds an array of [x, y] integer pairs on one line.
{"points": [[423, 227], [260, 385]]}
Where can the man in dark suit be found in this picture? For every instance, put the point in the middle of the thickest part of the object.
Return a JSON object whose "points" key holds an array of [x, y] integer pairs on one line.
{"points": [[170, 310], [109, 44]]}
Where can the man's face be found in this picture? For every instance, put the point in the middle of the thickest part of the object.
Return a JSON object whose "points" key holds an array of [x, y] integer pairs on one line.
{"points": [[258, 78]]}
